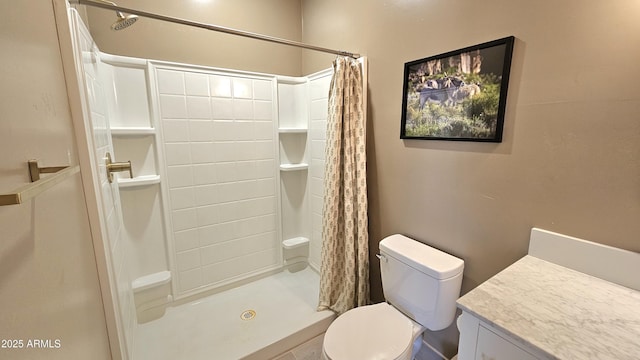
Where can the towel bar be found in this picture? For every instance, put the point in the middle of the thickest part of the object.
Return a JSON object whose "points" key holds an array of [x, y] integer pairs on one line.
{"points": [[38, 185]]}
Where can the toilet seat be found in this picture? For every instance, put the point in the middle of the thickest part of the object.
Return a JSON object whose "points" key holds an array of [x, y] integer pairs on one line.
{"points": [[370, 332]]}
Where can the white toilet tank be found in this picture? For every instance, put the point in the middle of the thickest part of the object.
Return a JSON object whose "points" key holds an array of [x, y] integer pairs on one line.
{"points": [[420, 281]]}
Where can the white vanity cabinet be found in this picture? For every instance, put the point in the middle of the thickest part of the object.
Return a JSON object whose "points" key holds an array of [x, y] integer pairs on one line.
{"points": [[567, 299], [480, 341]]}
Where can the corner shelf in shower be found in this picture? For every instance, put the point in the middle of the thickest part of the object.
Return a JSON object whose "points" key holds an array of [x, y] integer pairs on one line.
{"points": [[138, 181], [292, 130], [294, 167], [132, 131]]}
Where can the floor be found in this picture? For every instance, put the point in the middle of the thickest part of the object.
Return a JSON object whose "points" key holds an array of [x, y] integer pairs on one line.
{"points": [[223, 326]]}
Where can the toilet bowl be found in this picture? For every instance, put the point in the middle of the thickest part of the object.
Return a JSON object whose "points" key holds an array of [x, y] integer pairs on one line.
{"points": [[421, 285], [382, 331]]}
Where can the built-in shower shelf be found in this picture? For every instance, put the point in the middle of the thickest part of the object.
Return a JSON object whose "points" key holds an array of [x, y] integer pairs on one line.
{"points": [[132, 131], [292, 130], [137, 181], [294, 243], [294, 167]]}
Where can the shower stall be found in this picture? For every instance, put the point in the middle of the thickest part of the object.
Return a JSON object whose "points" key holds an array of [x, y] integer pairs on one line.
{"points": [[212, 234]]}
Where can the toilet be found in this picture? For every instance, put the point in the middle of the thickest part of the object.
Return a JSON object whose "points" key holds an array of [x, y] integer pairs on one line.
{"points": [[421, 285]]}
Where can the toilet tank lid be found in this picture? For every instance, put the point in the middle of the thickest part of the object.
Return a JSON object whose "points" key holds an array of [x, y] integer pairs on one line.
{"points": [[422, 257]]}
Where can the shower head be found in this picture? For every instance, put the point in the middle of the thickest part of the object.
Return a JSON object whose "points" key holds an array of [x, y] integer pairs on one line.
{"points": [[123, 21]]}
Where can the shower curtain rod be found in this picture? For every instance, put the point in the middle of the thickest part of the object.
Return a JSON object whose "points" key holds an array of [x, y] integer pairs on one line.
{"points": [[223, 29]]}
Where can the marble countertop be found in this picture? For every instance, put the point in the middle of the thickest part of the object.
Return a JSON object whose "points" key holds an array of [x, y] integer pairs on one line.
{"points": [[563, 313]]}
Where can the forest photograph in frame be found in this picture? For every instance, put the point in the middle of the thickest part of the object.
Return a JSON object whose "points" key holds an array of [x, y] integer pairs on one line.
{"points": [[459, 95]]}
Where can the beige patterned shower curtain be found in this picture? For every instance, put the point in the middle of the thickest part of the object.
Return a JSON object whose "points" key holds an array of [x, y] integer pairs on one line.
{"points": [[344, 269]]}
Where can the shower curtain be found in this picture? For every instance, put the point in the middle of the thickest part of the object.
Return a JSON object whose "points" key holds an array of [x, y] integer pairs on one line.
{"points": [[344, 269]]}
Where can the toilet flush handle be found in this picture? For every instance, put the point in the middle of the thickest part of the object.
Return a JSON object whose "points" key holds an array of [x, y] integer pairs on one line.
{"points": [[382, 257]]}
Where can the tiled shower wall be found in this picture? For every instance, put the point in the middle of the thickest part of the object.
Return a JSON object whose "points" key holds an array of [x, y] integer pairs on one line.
{"points": [[99, 122], [318, 97], [218, 132]]}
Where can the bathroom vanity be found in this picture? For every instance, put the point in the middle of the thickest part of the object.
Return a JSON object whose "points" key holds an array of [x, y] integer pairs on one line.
{"points": [[567, 299]]}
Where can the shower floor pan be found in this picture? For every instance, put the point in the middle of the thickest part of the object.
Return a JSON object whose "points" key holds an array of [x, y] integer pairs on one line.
{"points": [[256, 321]]}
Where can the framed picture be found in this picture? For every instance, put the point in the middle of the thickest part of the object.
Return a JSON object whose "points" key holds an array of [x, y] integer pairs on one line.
{"points": [[460, 95]]}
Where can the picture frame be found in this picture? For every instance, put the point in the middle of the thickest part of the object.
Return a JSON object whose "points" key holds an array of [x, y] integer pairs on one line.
{"points": [[460, 95]]}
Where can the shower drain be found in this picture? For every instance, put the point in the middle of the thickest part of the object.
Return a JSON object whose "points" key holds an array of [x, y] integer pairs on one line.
{"points": [[248, 315]]}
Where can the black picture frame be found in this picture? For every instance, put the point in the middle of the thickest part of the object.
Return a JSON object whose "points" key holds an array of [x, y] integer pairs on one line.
{"points": [[460, 95]]}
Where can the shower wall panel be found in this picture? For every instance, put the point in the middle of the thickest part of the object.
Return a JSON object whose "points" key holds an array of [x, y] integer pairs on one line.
{"points": [[318, 105], [90, 71], [220, 160]]}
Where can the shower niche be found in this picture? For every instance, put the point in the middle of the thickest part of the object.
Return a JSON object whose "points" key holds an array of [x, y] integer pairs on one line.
{"points": [[132, 128], [293, 128], [302, 116], [134, 138]]}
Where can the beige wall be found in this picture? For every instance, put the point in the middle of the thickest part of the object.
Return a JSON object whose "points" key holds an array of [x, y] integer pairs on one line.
{"points": [[570, 158], [153, 39], [48, 279]]}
